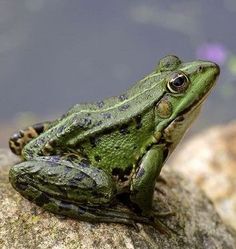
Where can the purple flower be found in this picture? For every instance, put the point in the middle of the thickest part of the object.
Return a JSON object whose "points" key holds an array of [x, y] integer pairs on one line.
{"points": [[212, 51]]}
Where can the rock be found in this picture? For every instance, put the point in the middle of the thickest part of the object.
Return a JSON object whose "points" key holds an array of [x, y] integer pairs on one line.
{"points": [[209, 159], [195, 224]]}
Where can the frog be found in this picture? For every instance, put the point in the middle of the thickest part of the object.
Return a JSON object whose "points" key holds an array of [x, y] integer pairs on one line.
{"points": [[100, 154]]}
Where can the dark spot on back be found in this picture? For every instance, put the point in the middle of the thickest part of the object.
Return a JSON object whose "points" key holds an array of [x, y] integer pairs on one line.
{"points": [[97, 158], [98, 123], [124, 129], [85, 122], [122, 97], [100, 104], [108, 131], [93, 141], [123, 107], [60, 129], [82, 122], [138, 120], [106, 115]]}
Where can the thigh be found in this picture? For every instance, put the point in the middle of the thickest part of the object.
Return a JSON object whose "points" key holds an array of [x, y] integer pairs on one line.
{"points": [[64, 180]]}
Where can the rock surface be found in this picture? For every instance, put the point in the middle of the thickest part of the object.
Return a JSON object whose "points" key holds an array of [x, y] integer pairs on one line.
{"points": [[209, 159], [196, 223]]}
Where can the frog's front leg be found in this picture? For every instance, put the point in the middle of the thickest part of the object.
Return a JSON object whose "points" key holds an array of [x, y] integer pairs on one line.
{"points": [[71, 188], [143, 182]]}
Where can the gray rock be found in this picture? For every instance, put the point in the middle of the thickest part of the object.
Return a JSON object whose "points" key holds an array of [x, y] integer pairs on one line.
{"points": [[195, 223], [208, 159]]}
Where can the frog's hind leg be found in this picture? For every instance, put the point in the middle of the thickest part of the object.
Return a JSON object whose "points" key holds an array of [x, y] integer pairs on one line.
{"points": [[74, 189], [20, 138]]}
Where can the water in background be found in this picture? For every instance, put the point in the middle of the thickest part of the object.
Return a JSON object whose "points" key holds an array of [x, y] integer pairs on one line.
{"points": [[54, 54]]}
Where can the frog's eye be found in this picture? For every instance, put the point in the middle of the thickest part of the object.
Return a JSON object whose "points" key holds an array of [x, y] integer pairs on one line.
{"points": [[178, 83]]}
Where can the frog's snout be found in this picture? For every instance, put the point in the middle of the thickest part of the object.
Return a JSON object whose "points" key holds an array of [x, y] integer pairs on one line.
{"points": [[216, 69], [210, 71]]}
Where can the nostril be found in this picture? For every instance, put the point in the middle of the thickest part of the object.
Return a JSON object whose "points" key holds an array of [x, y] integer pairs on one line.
{"points": [[200, 69]]}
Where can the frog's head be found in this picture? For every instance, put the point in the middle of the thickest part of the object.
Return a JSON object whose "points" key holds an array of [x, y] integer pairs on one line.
{"points": [[186, 87]]}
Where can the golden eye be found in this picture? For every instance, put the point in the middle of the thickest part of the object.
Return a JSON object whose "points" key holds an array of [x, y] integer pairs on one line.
{"points": [[178, 83]]}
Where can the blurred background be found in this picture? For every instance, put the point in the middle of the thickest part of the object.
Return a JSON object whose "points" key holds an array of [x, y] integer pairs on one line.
{"points": [[54, 54]]}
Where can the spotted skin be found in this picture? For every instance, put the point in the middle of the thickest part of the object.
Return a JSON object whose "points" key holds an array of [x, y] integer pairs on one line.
{"points": [[20, 138], [84, 162]]}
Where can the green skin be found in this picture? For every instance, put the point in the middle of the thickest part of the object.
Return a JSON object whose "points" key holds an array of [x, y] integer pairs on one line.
{"points": [[81, 164]]}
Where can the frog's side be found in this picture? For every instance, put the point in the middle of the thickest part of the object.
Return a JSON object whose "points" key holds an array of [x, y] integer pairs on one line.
{"points": [[79, 164]]}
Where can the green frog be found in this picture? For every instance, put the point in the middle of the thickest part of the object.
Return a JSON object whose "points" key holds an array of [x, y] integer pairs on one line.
{"points": [[111, 151]]}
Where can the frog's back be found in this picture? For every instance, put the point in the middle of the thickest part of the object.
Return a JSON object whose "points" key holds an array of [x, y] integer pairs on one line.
{"points": [[115, 111]]}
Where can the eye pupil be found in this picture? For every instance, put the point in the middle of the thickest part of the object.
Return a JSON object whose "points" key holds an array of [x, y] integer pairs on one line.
{"points": [[178, 83]]}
